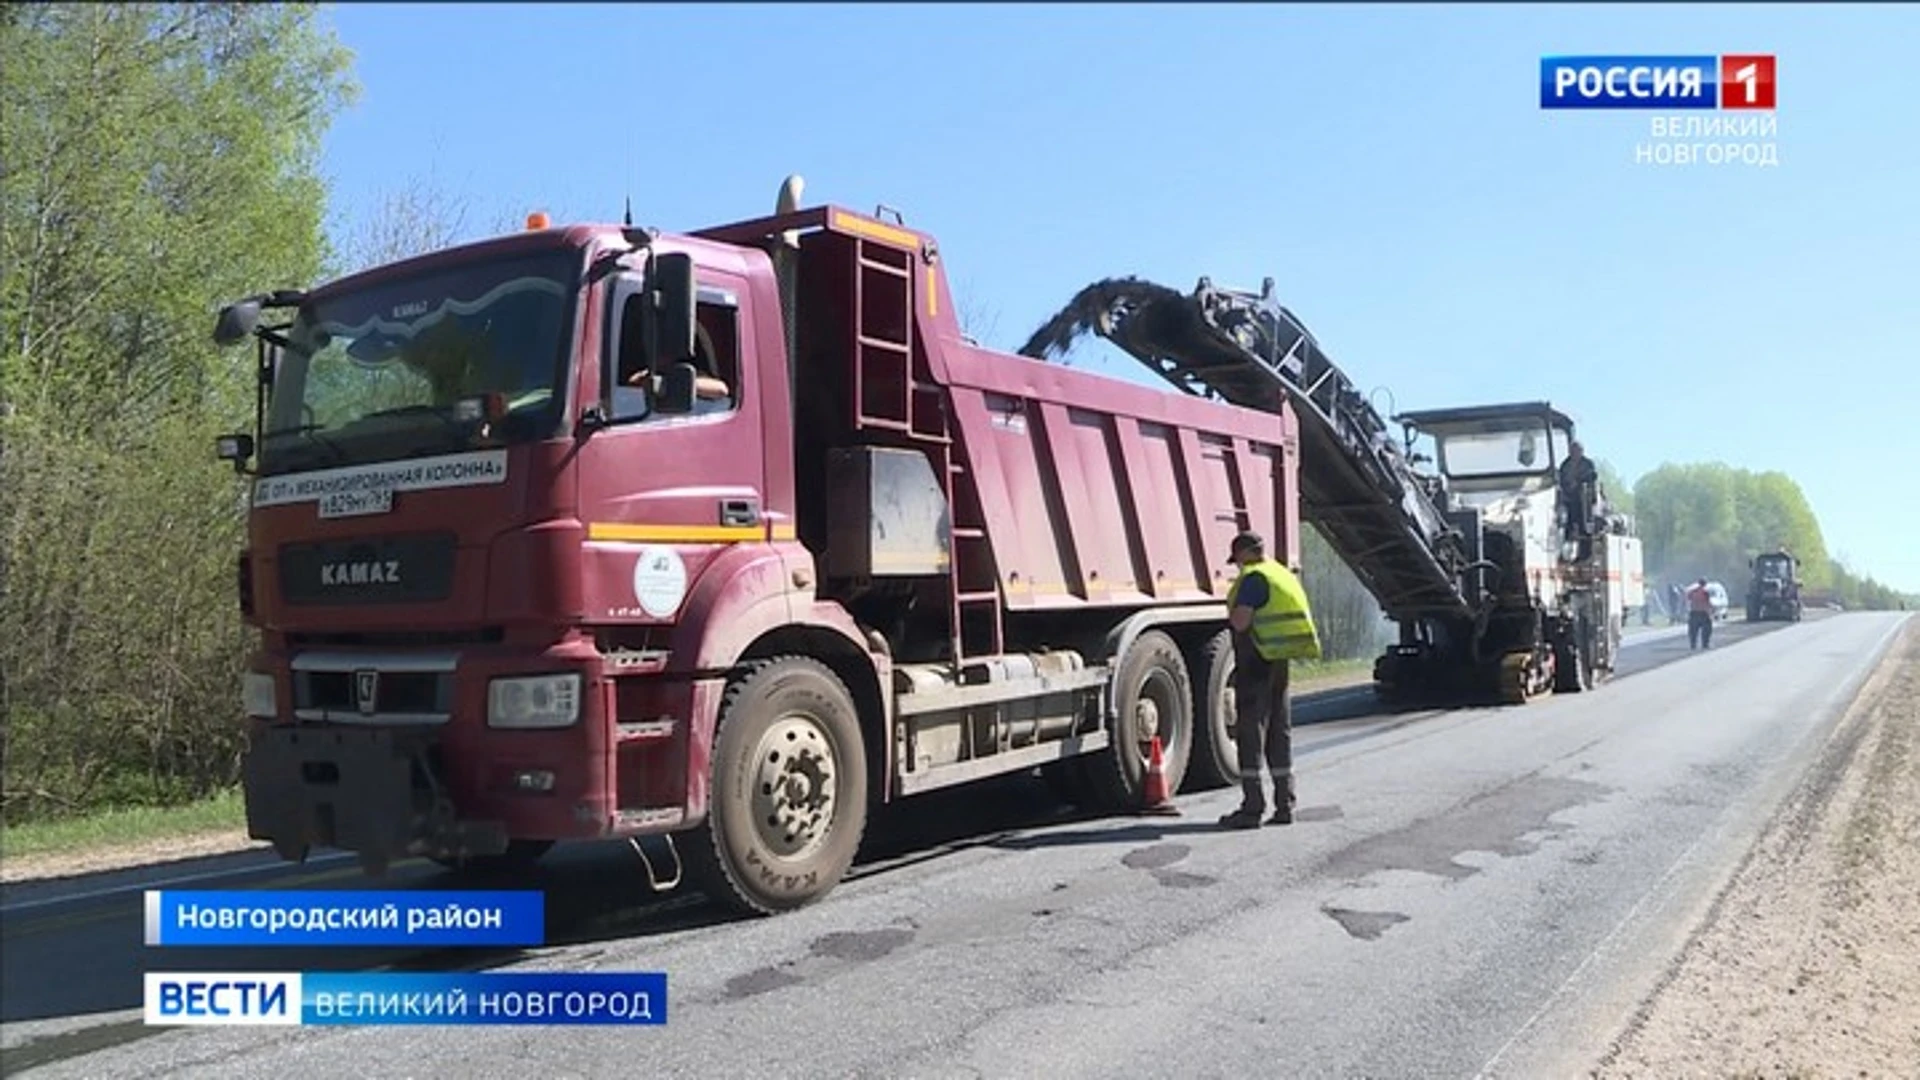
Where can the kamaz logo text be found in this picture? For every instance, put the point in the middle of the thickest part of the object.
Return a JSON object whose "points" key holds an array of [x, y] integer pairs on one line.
{"points": [[375, 572]]}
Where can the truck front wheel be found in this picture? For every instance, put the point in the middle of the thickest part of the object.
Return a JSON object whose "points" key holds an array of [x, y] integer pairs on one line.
{"points": [[787, 802]]}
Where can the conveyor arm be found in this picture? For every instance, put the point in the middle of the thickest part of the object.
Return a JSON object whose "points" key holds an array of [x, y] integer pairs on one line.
{"points": [[1357, 487]]}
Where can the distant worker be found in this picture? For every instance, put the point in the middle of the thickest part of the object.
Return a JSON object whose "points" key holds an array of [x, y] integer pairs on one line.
{"points": [[1676, 602], [1699, 616], [1579, 487], [1272, 626]]}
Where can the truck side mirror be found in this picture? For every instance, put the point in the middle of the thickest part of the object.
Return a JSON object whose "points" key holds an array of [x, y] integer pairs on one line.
{"points": [[236, 321], [669, 309], [678, 389], [235, 448]]}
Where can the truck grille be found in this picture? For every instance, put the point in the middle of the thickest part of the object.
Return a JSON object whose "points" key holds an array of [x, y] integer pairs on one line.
{"points": [[416, 692], [373, 688]]}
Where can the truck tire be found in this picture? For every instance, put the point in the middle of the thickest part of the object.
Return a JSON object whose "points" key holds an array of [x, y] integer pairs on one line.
{"points": [[1153, 686], [787, 795], [1215, 761]]}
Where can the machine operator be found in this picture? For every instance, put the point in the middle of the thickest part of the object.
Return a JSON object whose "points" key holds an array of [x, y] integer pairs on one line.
{"points": [[1272, 626], [1579, 486]]}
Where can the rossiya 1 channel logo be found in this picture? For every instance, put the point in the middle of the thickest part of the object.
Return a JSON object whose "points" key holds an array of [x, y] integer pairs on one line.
{"points": [[1739, 90]]}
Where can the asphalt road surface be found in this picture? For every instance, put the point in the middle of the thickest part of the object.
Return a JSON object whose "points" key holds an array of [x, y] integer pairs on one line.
{"points": [[1466, 892]]}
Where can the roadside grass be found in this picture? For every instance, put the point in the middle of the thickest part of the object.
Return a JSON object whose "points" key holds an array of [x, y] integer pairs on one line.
{"points": [[1317, 671], [108, 829]]}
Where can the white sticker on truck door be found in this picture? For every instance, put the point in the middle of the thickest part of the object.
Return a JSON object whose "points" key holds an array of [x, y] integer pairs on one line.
{"points": [[659, 581]]}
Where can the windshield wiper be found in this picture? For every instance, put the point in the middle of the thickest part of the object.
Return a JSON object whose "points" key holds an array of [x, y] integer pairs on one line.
{"points": [[438, 413], [311, 433]]}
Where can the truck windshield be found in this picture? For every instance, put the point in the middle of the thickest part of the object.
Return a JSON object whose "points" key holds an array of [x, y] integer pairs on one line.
{"points": [[1495, 453], [392, 370]]}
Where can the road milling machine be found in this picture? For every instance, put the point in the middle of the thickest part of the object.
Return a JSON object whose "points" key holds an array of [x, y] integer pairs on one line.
{"points": [[1503, 580]]}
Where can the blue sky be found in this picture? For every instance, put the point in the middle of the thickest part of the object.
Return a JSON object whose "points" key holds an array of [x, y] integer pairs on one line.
{"points": [[1390, 167]]}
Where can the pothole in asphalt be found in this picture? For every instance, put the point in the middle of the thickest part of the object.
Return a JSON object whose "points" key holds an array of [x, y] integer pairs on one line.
{"points": [[860, 945], [1180, 879], [1155, 856], [1499, 821], [759, 981], [1365, 925]]}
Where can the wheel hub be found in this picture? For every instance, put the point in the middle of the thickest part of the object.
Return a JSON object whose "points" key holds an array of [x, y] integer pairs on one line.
{"points": [[1146, 718], [794, 787]]}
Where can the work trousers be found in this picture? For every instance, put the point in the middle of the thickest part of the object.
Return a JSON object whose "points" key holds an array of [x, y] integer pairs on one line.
{"points": [[1699, 629], [1263, 729]]}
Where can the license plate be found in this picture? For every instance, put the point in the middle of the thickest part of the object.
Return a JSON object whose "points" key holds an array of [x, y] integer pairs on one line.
{"points": [[344, 504]]}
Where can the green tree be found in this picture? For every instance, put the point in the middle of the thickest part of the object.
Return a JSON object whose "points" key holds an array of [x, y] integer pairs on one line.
{"points": [[155, 160], [1350, 622], [1619, 493], [1708, 520]]}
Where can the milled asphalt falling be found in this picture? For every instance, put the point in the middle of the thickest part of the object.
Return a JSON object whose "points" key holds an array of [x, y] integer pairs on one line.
{"points": [[1484, 891]]}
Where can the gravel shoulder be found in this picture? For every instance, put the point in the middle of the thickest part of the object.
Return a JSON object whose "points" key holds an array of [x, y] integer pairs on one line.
{"points": [[1809, 962]]}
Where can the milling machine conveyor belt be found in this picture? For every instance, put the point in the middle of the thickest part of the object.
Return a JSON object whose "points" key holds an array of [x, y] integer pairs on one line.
{"points": [[1356, 485]]}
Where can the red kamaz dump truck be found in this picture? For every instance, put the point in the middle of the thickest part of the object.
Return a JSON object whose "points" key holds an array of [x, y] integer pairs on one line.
{"points": [[595, 531]]}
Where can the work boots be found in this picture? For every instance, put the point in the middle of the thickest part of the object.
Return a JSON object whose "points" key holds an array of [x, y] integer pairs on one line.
{"points": [[1253, 803], [1282, 800]]}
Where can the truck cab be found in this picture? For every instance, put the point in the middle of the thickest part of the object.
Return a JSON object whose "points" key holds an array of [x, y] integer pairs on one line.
{"points": [[1557, 572], [486, 479]]}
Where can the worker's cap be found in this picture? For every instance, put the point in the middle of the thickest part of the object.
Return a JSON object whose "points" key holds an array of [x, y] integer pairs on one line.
{"points": [[1246, 541]]}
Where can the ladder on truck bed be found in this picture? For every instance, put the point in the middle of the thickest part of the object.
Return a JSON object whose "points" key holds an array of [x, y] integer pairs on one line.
{"points": [[1356, 485]]}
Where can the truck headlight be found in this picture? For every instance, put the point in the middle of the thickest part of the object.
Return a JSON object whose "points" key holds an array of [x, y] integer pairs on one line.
{"points": [[257, 695], [536, 701]]}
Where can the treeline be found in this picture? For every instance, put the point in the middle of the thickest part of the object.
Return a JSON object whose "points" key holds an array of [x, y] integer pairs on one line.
{"points": [[155, 161], [1707, 520]]}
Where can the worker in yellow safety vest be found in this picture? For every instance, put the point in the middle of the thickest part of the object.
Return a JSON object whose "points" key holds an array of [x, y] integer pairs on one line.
{"points": [[1272, 626]]}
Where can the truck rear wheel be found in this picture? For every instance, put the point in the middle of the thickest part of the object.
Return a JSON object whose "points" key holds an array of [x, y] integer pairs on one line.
{"points": [[787, 802], [1155, 697], [1216, 759]]}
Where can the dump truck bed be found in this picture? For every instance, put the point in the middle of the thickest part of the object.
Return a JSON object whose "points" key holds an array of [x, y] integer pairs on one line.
{"points": [[1097, 491], [1067, 489]]}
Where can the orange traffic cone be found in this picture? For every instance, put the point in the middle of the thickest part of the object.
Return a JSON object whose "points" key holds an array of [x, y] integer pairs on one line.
{"points": [[1157, 799]]}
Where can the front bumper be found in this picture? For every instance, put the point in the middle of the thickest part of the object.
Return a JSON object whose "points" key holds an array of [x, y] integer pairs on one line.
{"points": [[424, 775], [375, 791]]}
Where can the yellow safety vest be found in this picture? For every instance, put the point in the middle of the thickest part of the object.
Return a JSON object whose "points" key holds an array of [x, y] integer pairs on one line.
{"points": [[1282, 627]]}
